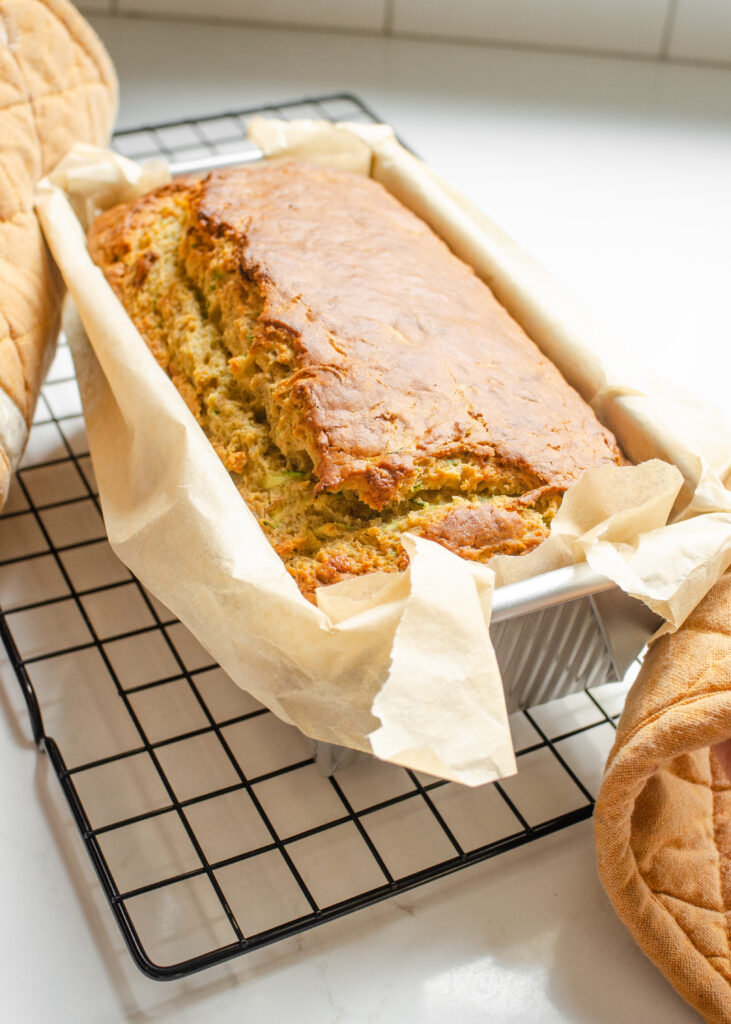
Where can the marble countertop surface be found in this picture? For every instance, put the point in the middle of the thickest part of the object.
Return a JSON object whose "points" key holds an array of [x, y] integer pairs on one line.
{"points": [[614, 174]]}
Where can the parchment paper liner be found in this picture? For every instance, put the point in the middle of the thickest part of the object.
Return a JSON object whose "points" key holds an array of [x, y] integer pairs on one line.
{"points": [[397, 664]]}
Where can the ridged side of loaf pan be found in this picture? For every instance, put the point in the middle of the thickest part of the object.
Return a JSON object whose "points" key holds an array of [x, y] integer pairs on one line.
{"points": [[548, 654]]}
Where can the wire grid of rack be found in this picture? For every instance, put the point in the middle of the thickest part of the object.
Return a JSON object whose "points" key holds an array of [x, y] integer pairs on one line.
{"points": [[210, 827]]}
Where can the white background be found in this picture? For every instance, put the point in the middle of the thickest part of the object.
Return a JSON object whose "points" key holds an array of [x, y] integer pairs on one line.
{"points": [[615, 174]]}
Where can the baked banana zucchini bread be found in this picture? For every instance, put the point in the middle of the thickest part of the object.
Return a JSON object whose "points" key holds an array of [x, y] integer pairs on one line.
{"points": [[355, 377]]}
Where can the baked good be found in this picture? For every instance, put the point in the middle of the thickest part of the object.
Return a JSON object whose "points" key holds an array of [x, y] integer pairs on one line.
{"points": [[355, 377], [57, 87]]}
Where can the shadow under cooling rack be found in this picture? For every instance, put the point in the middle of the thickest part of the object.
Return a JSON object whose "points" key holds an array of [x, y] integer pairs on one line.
{"points": [[210, 826]]}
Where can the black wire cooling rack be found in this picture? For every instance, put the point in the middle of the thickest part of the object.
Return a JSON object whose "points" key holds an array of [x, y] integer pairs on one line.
{"points": [[210, 826]]}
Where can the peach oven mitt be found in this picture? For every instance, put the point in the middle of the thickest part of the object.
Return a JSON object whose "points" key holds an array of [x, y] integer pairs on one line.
{"points": [[57, 86], [663, 817]]}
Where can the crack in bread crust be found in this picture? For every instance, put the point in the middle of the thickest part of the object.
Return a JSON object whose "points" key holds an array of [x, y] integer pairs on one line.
{"points": [[347, 419]]}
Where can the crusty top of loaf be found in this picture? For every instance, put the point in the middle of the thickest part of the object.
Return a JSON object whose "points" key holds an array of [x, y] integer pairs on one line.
{"points": [[403, 353], [356, 379]]}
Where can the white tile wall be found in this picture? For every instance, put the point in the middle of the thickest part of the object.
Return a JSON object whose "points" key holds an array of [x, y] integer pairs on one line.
{"points": [[630, 26], [702, 30], [680, 29], [352, 14]]}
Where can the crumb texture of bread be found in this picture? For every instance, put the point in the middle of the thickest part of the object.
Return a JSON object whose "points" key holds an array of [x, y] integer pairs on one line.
{"points": [[356, 378]]}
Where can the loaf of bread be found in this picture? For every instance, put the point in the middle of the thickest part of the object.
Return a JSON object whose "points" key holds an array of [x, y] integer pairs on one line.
{"points": [[355, 377]]}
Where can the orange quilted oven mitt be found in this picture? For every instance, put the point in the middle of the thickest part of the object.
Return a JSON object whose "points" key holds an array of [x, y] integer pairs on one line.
{"points": [[57, 86], [663, 817]]}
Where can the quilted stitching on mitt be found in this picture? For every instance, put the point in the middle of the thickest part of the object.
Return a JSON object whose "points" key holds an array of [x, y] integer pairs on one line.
{"points": [[663, 817], [57, 86]]}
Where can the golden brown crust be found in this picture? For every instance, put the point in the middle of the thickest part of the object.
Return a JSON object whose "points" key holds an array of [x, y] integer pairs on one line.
{"points": [[500, 530], [113, 235], [402, 353]]}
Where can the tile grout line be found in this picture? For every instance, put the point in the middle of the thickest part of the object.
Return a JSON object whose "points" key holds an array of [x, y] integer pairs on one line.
{"points": [[668, 29], [388, 15]]}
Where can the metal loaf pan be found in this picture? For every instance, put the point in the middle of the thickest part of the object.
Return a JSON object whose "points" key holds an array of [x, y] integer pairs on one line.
{"points": [[554, 634], [564, 631]]}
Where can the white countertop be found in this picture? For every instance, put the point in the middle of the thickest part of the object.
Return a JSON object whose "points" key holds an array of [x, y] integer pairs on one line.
{"points": [[614, 173]]}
